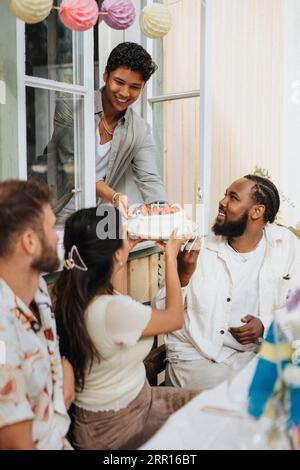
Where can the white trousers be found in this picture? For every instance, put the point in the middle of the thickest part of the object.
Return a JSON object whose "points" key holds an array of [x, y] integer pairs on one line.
{"points": [[203, 373]]}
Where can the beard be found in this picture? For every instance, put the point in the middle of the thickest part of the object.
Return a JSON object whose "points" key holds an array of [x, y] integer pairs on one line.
{"points": [[48, 261], [232, 229]]}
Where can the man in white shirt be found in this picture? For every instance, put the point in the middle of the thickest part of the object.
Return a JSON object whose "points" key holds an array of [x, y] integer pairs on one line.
{"points": [[35, 384], [247, 267]]}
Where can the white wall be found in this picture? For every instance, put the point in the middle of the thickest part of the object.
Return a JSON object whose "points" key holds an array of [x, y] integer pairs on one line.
{"points": [[255, 111], [290, 169]]}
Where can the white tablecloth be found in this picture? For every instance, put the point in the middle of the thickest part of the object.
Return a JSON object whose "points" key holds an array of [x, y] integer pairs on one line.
{"points": [[215, 419]]}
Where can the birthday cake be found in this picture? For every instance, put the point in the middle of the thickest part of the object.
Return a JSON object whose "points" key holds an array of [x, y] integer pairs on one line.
{"points": [[158, 221]]}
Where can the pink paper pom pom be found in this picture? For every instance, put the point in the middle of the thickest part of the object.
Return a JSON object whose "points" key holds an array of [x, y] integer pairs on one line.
{"points": [[79, 15]]}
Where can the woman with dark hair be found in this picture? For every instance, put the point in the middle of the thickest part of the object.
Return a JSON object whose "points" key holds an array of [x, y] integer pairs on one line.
{"points": [[106, 336]]}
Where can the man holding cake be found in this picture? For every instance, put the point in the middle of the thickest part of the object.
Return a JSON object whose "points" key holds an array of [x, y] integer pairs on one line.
{"points": [[125, 150], [247, 267]]}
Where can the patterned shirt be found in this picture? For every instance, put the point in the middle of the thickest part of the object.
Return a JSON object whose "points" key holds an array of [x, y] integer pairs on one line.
{"points": [[31, 382]]}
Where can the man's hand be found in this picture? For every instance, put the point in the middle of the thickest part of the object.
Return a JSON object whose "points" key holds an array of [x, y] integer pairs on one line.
{"points": [[122, 204], [68, 382], [187, 262], [250, 332]]}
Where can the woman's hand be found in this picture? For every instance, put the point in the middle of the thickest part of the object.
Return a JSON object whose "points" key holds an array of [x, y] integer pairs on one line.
{"points": [[133, 241], [68, 382], [174, 243], [186, 259]]}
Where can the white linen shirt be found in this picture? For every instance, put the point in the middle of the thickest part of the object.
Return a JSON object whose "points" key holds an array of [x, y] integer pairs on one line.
{"points": [[208, 295], [244, 270], [31, 386]]}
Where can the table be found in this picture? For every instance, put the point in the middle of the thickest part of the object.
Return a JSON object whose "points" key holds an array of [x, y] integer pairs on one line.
{"points": [[215, 419]]}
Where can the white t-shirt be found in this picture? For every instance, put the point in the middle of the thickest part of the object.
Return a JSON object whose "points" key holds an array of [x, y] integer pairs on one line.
{"points": [[244, 269], [115, 325], [102, 155], [102, 158]]}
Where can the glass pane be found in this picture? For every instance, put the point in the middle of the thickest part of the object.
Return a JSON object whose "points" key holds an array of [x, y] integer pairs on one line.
{"points": [[54, 51], [177, 136], [178, 53], [55, 143], [96, 58]]}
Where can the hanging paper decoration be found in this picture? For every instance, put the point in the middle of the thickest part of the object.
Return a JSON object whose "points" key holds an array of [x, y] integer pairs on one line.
{"points": [[79, 15], [30, 11], [118, 14], [155, 21]]}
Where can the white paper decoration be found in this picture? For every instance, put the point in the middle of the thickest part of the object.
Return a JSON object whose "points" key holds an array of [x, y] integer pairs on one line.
{"points": [[155, 21], [30, 11]]}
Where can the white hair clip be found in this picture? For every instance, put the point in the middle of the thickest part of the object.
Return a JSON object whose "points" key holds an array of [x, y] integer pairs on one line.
{"points": [[70, 264]]}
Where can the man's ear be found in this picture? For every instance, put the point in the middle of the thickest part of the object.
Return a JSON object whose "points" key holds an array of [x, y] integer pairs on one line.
{"points": [[29, 241], [258, 211], [105, 75]]}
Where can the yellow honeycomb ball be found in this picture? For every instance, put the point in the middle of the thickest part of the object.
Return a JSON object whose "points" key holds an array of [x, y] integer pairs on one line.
{"points": [[30, 11], [155, 21]]}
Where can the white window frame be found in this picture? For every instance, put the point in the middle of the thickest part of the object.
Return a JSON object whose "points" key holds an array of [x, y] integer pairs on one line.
{"points": [[205, 148], [206, 113], [85, 181]]}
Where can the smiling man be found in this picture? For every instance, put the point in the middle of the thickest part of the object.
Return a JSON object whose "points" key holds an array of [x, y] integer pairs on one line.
{"points": [[123, 139], [125, 149], [247, 266], [36, 385]]}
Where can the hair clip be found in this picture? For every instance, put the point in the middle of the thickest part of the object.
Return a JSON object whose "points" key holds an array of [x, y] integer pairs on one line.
{"points": [[70, 264]]}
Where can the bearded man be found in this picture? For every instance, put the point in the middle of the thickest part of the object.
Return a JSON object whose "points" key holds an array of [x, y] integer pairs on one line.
{"points": [[247, 267], [36, 386]]}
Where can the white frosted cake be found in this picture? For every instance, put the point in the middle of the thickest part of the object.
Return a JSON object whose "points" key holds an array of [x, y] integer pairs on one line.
{"points": [[158, 221]]}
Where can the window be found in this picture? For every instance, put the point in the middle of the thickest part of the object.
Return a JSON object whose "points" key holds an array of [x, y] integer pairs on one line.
{"points": [[59, 103], [174, 102], [59, 83]]}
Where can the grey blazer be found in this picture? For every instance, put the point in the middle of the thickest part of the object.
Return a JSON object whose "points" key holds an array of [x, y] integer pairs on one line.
{"points": [[132, 149], [133, 145]]}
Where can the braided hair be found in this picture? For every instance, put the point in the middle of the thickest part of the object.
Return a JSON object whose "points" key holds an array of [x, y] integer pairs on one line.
{"points": [[264, 192]]}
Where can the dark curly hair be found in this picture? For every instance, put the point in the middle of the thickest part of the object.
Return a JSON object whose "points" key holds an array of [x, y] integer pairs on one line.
{"points": [[265, 192], [133, 56]]}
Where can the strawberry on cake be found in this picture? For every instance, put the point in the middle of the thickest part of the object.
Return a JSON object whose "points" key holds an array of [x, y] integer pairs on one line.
{"points": [[158, 221]]}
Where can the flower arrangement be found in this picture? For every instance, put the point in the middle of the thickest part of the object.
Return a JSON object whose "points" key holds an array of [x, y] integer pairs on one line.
{"points": [[275, 389], [259, 171]]}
